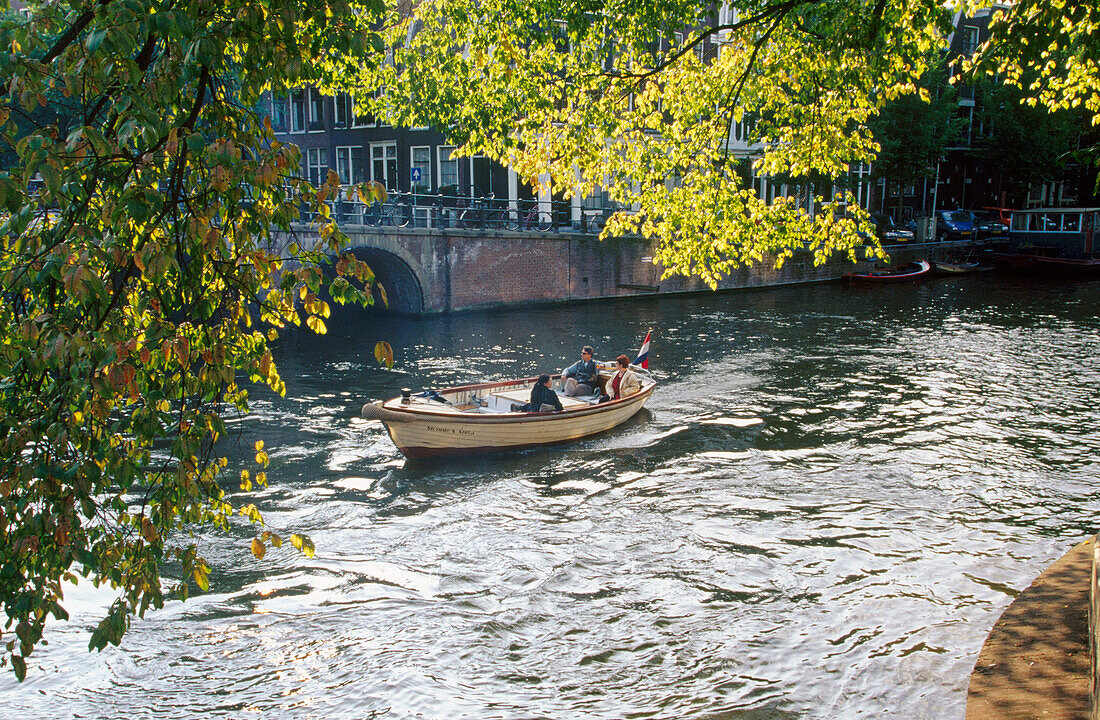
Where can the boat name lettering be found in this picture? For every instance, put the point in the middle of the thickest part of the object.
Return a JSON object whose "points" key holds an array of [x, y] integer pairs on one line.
{"points": [[453, 431]]}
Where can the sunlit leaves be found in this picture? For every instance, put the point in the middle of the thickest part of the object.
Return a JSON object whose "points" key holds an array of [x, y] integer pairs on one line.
{"points": [[1051, 50], [383, 353], [143, 280], [601, 98], [303, 544]]}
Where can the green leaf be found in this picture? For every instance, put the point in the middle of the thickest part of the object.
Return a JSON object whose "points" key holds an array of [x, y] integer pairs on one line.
{"points": [[19, 665]]}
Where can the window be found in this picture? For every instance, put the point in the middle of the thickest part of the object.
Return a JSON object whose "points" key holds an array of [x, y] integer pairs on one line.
{"points": [[970, 36], [342, 110], [448, 170], [316, 165], [383, 157], [560, 35], [298, 111], [360, 121], [351, 164], [316, 110], [1071, 222], [422, 161], [278, 113]]}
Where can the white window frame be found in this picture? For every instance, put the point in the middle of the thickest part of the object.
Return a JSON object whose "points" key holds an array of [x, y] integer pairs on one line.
{"points": [[443, 156], [315, 111], [342, 111], [426, 174], [345, 163], [299, 121], [280, 102], [391, 183], [316, 165]]}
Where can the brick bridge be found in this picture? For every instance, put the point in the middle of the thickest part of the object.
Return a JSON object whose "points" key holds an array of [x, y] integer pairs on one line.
{"points": [[428, 271]]}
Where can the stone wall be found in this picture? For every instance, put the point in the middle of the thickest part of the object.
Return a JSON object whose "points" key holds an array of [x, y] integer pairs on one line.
{"points": [[455, 270]]}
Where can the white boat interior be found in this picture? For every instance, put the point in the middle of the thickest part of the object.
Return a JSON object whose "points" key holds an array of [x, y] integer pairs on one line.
{"points": [[498, 399]]}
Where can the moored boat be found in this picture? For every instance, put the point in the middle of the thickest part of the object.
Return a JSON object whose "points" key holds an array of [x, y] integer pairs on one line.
{"points": [[959, 267], [947, 267], [475, 419], [913, 271], [1054, 241]]}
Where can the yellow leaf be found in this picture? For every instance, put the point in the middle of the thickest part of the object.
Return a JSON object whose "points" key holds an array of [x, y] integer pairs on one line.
{"points": [[383, 353], [148, 531], [202, 578], [302, 543], [258, 548], [382, 295]]}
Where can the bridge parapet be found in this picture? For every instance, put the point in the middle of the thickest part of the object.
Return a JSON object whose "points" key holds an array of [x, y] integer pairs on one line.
{"points": [[434, 270]]}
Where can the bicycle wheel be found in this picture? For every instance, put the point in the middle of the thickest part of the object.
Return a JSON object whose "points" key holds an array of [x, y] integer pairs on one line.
{"points": [[512, 220], [372, 215], [402, 215], [544, 222]]}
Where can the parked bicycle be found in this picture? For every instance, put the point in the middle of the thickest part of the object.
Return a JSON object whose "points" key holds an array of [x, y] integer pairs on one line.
{"points": [[529, 219], [395, 212], [483, 212], [596, 221]]}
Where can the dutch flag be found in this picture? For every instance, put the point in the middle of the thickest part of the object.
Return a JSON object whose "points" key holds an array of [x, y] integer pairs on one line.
{"points": [[642, 360]]}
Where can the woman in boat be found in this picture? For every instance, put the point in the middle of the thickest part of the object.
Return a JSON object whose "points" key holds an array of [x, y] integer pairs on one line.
{"points": [[543, 398], [624, 382]]}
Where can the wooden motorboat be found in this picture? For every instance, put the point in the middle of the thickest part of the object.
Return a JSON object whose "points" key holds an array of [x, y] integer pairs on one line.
{"points": [[474, 419], [959, 267], [913, 271], [947, 267]]}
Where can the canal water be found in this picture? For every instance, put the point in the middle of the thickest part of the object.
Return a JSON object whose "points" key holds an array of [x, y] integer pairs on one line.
{"points": [[832, 496]]}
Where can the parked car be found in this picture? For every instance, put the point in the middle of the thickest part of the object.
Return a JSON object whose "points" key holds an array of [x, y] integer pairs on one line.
{"points": [[1002, 214], [990, 225], [889, 231], [954, 225]]}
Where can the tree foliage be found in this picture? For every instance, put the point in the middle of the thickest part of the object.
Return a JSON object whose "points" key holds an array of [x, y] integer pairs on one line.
{"points": [[1048, 48], [1026, 143], [914, 132], [1050, 51], [143, 281], [587, 94]]}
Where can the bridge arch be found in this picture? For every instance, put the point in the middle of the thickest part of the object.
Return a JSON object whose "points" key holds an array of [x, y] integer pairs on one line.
{"points": [[404, 292]]}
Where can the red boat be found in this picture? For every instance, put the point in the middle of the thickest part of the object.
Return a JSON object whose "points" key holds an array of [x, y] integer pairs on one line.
{"points": [[913, 271]]}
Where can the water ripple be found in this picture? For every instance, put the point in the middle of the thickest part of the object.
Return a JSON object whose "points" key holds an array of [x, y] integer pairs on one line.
{"points": [[830, 499]]}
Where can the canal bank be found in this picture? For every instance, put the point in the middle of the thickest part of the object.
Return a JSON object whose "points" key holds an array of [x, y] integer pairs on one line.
{"points": [[1035, 662], [429, 271]]}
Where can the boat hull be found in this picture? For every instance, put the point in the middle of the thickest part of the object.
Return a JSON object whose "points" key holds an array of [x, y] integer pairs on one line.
{"points": [[420, 433], [914, 271], [959, 268], [1052, 266]]}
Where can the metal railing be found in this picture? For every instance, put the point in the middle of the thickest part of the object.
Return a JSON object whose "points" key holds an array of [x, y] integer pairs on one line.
{"points": [[412, 210]]}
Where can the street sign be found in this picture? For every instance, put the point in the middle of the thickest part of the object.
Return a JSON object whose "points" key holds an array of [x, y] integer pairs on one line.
{"points": [[415, 174]]}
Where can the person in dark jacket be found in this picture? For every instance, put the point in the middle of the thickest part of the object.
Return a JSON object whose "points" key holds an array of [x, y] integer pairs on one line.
{"points": [[583, 376], [541, 396]]}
